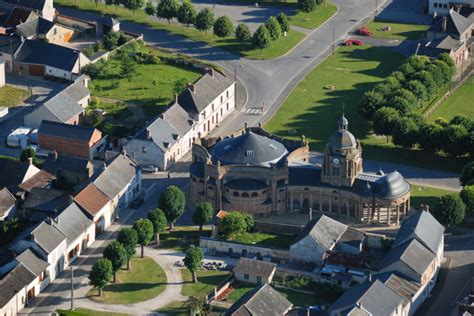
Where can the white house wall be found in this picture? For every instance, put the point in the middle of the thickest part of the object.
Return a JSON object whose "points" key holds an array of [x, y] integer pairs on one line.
{"points": [[145, 152]]}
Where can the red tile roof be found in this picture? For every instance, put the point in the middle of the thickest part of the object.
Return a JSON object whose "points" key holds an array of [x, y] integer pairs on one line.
{"points": [[91, 199]]}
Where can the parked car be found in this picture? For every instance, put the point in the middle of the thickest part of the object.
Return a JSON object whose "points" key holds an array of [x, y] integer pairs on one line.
{"points": [[150, 169], [351, 41], [364, 31]]}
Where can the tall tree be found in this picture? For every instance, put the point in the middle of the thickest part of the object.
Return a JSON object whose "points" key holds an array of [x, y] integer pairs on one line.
{"points": [[223, 27], [405, 132], [144, 229], [117, 255], [430, 136], [27, 153], [274, 28], [116, 3], [167, 9], [242, 32], [150, 9], [133, 5], [467, 196], [172, 202], [307, 6], [282, 19], [158, 219], [450, 210], [384, 120], [100, 274], [371, 101], [129, 239], [193, 260], [456, 140], [467, 174], [203, 214], [204, 20], [261, 38], [186, 13]]}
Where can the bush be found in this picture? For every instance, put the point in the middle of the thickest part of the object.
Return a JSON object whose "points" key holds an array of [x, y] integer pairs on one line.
{"points": [[405, 132], [111, 40], [467, 196], [235, 223], [223, 27], [371, 101], [467, 174], [450, 210], [242, 32], [274, 28], [261, 38], [283, 21]]}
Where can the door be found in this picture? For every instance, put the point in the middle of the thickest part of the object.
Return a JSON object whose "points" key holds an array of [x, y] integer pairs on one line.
{"points": [[36, 70]]}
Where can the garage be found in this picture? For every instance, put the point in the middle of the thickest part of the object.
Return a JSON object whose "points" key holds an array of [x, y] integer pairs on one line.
{"points": [[36, 70]]}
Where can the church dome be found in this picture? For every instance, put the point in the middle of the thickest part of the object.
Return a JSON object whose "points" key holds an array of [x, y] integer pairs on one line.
{"points": [[342, 138], [392, 185], [249, 149]]}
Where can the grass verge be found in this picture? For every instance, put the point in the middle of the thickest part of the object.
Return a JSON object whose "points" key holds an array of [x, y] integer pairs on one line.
{"points": [[427, 195], [10, 96], [314, 19], [86, 312], [399, 31], [207, 280]]}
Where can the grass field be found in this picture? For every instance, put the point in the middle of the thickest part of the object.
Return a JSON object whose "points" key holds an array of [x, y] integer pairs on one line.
{"points": [[315, 18], [313, 111], [146, 280], [426, 195], [116, 110], [207, 280], [182, 237], [269, 240], [240, 290], [10, 96], [278, 48], [399, 31], [86, 312], [461, 102]]}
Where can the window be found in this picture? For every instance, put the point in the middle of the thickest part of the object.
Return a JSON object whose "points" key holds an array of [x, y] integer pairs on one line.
{"points": [[222, 99], [227, 94], [236, 193], [259, 279], [245, 194], [254, 194], [213, 107], [246, 276], [227, 107]]}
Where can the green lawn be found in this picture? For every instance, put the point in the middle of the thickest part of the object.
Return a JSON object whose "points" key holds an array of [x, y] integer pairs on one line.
{"points": [[207, 281], [399, 31], [175, 309], [302, 299], [10, 96], [279, 48], [86, 312], [461, 102], [315, 18], [269, 240], [426, 195], [182, 237], [116, 110], [240, 290], [146, 280]]}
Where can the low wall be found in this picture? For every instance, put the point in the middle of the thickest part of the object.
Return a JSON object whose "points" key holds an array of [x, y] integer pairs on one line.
{"points": [[214, 245], [105, 56]]}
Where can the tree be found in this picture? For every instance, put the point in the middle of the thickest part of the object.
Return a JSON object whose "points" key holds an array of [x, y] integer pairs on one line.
{"points": [[418, 63], [186, 13], [462, 120], [203, 214], [261, 38], [116, 3], [400, 104], [467, 196], [456, 140], [427, 80], [405, 132], [399, 76], [446, 71], [384, 121], [418, 89], [235, 223], [242, 32], [371, 101], [150, 8], [108, 2], [223, 27], [172, 202], [117, 255], [430, 136], [406, 69], [407, 95], [144, 229], [450, 210], [274, 28], [111, 40], [467, 174], [282, 19], [307, 6], [204, 20], [100, 274], [128, 238], [392, 83], [436, 73], [26, 153], [158, 219], [193, 260], [133, 5], [448, 60], [167, 9]]}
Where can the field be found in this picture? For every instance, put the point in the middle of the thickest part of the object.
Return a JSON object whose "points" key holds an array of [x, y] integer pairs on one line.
{"points": [[267, 240], [399, 31], [461, 102], [146, 280], [426, 195], [278, 48], [315, 18], [10, 96]]}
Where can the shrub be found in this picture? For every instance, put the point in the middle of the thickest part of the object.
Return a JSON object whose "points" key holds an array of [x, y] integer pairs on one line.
{"points": [[242, 32], [405, 132], [274, 28], [235, 223], [223, 27], [450, 210], [261, 38], [283, 21]]}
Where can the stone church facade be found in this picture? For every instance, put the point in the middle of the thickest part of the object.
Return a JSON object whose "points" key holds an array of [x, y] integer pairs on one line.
{"points": [[263, 174]]}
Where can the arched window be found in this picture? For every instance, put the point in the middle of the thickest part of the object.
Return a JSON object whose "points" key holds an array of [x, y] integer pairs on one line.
{"points": [[254, 194], [236, 193], [245, 194]]}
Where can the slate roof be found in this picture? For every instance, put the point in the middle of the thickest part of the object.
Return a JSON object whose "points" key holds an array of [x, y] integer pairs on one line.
{"points": [[34, 27], [254, 267], [65, 162], [7, 201], [263, 300], [248, 149], [47, 236], [13, 172], [178, 118], [342, 138], [456, 24], [373, 297], [207, 89], [304, 175], [47, 200], [437, 46], [40, 180], [423, 227], [117, 175], [17, 16], [42, 53], [413, 254], [407, 289], [324, 230], [32, 262], [91, 199], [72, 222], [14, 282], [9, 44], [69, 131], [162, 133], [33, 4]]}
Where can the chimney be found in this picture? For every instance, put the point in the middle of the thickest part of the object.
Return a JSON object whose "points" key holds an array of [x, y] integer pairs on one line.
{"points": [[124, 152], [104, 165], [444, 24], [148, 134], [30, 160], [54, 153], [175, 98], [310, 214], [192, 87], [211, 72], [369, 277]]}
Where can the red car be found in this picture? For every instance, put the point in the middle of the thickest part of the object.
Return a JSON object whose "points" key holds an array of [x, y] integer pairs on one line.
{"points": [[350, 42], [364, 31]]}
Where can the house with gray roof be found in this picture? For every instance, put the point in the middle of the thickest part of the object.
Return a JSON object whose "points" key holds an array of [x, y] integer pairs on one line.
{"points": [[254, 271], [65, 107], [369, 298], [263, 300], [70, 171], [192, 115], [43, 29], [8, 46], [41, 203], [16, 288], [7, 204]]}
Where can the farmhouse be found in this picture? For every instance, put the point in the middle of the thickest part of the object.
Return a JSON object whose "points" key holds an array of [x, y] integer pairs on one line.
{"points": [[254, 271]]}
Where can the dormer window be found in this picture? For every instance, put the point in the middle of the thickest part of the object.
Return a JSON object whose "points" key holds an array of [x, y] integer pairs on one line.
{"points": [[249, 153]]}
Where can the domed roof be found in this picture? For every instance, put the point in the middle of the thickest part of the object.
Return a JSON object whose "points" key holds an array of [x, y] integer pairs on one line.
{"points": [[342, 138], [392, 185], [249, 148]]}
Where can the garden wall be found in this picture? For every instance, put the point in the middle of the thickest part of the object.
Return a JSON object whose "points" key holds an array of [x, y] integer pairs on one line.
{"points": [[278, 228], [105, 56]]}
